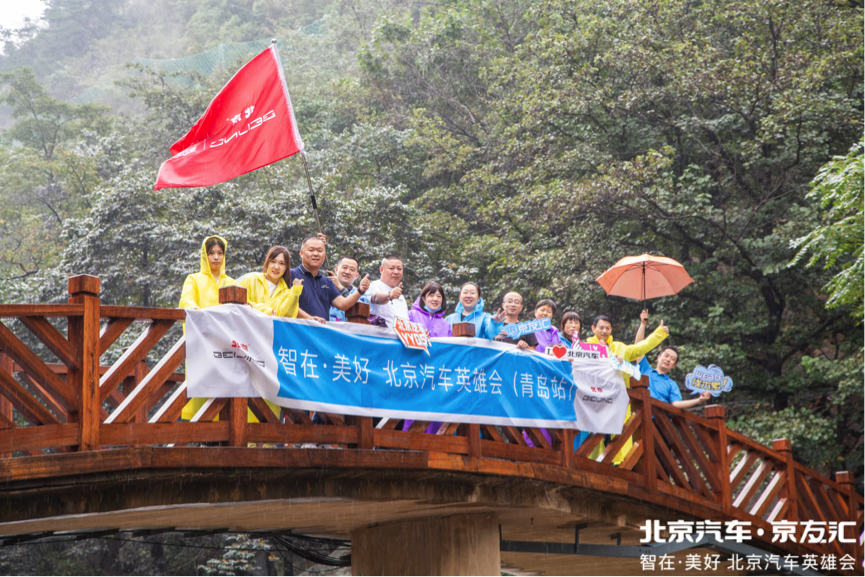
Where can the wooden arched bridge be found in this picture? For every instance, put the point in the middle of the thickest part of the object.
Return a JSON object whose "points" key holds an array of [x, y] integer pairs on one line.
{"points": [[86, 447]]}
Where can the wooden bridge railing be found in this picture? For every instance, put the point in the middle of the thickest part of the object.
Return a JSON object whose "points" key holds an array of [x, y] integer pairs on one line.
{"points": [[678, 460]]}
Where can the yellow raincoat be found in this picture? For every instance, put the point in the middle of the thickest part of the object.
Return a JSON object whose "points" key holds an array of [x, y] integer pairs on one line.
{"points": [[284, 300], [628, 353], [200, 290]]}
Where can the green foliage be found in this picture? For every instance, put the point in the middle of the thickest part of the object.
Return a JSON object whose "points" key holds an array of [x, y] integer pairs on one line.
{"points": [[838, 241]]}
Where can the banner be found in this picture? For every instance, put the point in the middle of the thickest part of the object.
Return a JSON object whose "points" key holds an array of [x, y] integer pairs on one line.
{"points": [[249, 124], [347, 368]]}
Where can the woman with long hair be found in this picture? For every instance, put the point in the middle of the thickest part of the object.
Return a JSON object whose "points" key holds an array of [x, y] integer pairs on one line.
{"points": [[268, 290]]}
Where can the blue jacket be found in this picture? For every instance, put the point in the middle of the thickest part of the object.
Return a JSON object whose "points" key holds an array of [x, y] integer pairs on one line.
{"points": [[485, 326]]}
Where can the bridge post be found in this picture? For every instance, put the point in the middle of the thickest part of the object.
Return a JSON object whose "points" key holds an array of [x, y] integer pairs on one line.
{"points": [[84, 336], [716, 413], [845, 479], [646, 433], [466, 544], [236, 410], [6, 414], [785, 447]]}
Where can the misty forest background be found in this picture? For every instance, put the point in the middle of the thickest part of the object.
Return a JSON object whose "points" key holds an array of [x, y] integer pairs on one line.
{"points": [[524, 144]]}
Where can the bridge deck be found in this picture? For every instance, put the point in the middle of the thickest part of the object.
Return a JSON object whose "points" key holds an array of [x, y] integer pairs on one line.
{"points": [[73, 431]]}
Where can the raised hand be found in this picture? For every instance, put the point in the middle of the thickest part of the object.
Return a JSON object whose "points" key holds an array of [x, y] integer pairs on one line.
{"points": [[499, 316], [297, 281], [644, 316], [705, 396], [666, 329], [396, 293], [323, 238], [364, 284], [331, 274], [522, 345]]}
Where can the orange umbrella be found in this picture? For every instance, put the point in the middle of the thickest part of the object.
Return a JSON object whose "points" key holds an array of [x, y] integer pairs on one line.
{"points": [[645, 277]]}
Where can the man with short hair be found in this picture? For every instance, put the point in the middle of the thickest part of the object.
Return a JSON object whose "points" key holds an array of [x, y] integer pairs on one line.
{"points": [[343, 278], [319, 292], [603, 330], [385, 295], [513, 306], [662, 387]]}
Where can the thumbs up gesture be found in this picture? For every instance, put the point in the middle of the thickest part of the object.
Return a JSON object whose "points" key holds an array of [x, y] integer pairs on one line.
{"points": [[364, 284], [397, 292], [665, 329]]}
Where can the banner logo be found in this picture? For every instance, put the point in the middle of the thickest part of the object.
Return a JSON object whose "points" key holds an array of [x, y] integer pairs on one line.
{"points": [[711, 379]]}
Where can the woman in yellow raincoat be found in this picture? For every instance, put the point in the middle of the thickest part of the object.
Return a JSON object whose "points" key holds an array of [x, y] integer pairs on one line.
{"points": [[268, 290], [200, 291]]}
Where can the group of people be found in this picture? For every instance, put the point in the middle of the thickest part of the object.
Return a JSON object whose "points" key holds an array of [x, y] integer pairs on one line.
{"points": [[310, 291]]}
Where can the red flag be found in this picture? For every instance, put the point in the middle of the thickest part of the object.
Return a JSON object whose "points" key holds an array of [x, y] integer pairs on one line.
{"points": [[248, 125]]}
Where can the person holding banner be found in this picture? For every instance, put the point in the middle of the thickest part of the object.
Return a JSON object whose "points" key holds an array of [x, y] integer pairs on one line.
{"points": [[201, 291], [470, 309], [545, 309], [429, 309], [513, 306], [268, 290], [603, 329], [570, 333], [385, 295], [319, 292]]}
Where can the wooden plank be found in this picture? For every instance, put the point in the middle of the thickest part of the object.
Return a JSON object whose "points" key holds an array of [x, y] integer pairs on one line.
{"points": [[809, 500], [538, 438], [160, 393], [286, 433], [773, 489], [565, 445], [839, 499], [90, 411], [586, 448], [151, 383], [365, 433], [43, 437], [515, 436], [334, 419], [448, 429], [163, 433], [137, 352], [520, 453], [709, 445], [48, 466], [472, 433], [778, 510], [39, 310], [733, 449], [668, 462], [6, 422], [824, 501], [143, 313], [171, 409], [297, 416], [209, 410], [610, 451], [493, 432], [262, 411], [111, 332], [27, 405], [632, 458], [420, 442], [705, 464], [33, 365], [46, 397], [750, 489], [668, 431], [53, 339], [388, 424], [418, 427], [237, 418], [738, 474]]}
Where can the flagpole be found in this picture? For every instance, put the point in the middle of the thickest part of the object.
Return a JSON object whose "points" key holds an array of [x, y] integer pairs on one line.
{"points": [[314, 205]]}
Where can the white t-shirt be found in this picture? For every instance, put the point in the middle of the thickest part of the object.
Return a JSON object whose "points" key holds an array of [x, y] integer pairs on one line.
{"points": [[394, 309], [271, 286]]}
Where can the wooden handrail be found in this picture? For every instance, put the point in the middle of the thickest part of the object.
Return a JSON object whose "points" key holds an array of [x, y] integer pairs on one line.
{"points": [[676, 459]]}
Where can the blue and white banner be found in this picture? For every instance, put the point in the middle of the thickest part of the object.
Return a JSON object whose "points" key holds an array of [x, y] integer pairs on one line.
{"points": [[346, 368]]}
